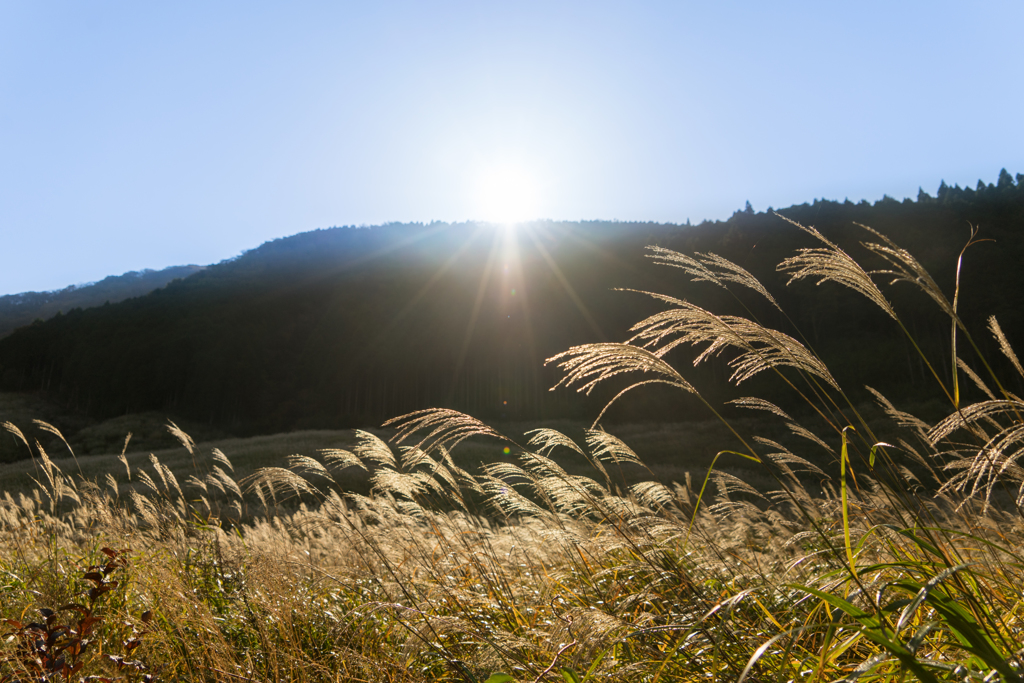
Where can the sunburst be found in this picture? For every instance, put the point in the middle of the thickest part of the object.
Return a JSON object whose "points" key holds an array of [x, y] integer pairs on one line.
{"points": [[507, 194]]}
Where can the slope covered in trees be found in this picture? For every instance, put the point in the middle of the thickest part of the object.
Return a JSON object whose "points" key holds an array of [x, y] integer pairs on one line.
{"points": [[18, 310], [349, 326]]}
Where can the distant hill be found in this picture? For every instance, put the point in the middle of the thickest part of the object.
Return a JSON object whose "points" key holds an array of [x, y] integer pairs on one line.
{"points": [[348, 326], [17, 310]]}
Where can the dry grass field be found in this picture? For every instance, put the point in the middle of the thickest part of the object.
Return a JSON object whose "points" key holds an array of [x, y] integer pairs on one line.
{"points": [[876, 547]]}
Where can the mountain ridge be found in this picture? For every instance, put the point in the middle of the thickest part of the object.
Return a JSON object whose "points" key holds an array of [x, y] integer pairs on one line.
{"points": [[348, 326], [20, 309]]}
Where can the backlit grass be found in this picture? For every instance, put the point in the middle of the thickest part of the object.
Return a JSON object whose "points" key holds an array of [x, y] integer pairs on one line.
{"points": [[875, 546]]}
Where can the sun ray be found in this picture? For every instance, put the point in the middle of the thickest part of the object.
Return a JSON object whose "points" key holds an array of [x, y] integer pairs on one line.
{"points": [[570, 292], [522, 306], [598, 252], [471, 325], [393, 246], [386, 332]]}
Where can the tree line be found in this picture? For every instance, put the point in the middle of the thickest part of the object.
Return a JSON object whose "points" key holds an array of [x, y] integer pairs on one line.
{"points": [[18, 310], [349, 326]]}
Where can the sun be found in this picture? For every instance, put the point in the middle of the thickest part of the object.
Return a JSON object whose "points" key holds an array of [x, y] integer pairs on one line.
{"points": [[506, 194]]}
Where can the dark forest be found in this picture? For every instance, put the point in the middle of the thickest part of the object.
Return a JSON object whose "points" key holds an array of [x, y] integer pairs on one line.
{"points": [[349, 326]]}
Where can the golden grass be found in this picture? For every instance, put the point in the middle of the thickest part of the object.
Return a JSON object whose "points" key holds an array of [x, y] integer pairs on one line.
{"points": [[814, 551]]}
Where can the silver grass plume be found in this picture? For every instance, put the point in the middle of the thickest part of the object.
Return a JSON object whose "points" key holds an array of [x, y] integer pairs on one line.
{"points": [[970, 415], [980, 473], [213, 481], [10, 427], [507, 472], [653, 495], [604, 446], [1004, 345], [753, 403], [438, 469], [546, 440], [464, 478], [590, 364], [372, 448], [49, 467], [507, 501], [797, 499], [574, 495], [47, 427], [158, 469], [902, 418], [594, 630], [541, 465], [406, 485], [219, 475], [832, 264], [412, 457], [307, 465], [259, 494], [760, 348], [218, 456], [711, 268], [994, 460], [682, 491], [146, 509], [339, 458], [448, 428], [124, 458], [729, 483], [181, 436], [906, 268], [783, 457], [277, 479], [802, 431], [973, 376], [148, 481], [726, 509], [918, 458], [169, 476]]}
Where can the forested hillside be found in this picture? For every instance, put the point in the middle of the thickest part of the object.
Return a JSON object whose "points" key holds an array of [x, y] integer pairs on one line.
{"points": [[349, 326], [17, 310]]}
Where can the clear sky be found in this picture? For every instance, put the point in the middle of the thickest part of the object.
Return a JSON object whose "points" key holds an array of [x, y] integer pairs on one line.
{"points": [[141, 135]]}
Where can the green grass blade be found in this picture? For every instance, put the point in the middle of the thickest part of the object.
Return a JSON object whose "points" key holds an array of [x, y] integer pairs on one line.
{"points": [[924, 592], [696, 506], [835, 601], [500, 678], [846, 512]]}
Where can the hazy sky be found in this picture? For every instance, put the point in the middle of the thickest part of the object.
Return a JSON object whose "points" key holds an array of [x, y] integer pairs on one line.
{"points": [[141, 135]]}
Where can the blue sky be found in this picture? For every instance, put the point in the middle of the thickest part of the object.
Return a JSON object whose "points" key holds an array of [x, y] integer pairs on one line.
{"points": [[142, 135]]}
